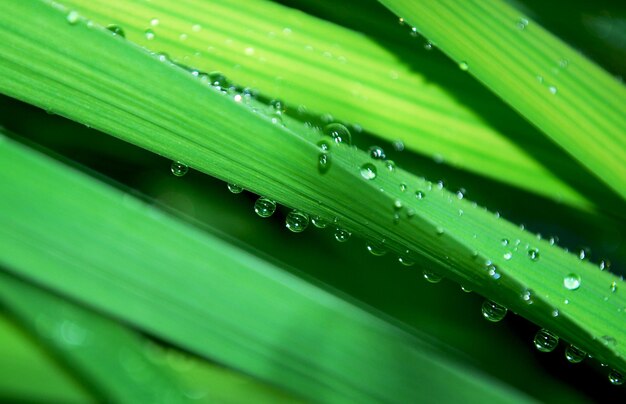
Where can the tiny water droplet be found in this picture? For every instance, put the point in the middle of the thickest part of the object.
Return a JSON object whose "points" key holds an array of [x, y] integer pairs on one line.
{"points": [[419, 195], [571, 281], [439, 230], [375, 248], [338, 132], [405, 259], [149, 34], [323, 162], [377, 153], [555, 313], [492, 271], [522, 23], [413, 31], [116, 30], [505, 242], [401, 21], [179, 169], [403, 187], [574, 354], [264, 207], [613, 287], [278, 106], [533, 254], [397, 204], [616, 378], [607, 340], [234, 188], [342, 235], [154, 22], [297, 221], [432, 277], [73, 17], [368, 171], [508, 255], [319, 222], [398, 145], [492, 311], [428, 45], [391, 166], [527, 296], [466, 289], [463, 66], [545, 341], [553, 89]]}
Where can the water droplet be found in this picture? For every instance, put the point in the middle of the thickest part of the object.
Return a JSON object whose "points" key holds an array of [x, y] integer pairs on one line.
{"points": [[545, 341], [403, 187], [464, 66], [73, 17], [264, 207], [398, 145], [553, 89], [616, 378], [116, 30], [154, 22], [555, 313], [342, 235], [607, 340], [368, 171], [413, 31], [218, 80], [571, 281], [234, 188], [319, 222], [466, 289], [613, 287], [527, 296], [179, 169], [439, 230], [323, 162], [505, 242], [533, 254], [397, 204], [428, 45], [574, 354], [401, 21], [492, 311], [278, 106], [375, 248], [522, 23], [508, 255], [377, 153], [419, 195], [432, 277], [297, 221], [390, 165], [405, 259], [492, 271], [338, 132], [149, 34]]}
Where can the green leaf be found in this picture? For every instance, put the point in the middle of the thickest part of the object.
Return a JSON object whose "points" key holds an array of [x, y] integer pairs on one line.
{"points": [[195, 290], [306, 61], [573, 101]]}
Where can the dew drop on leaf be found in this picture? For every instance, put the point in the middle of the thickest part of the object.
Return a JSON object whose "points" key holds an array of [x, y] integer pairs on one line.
{"points": [[463, 66], [574, 354], [533, 254], [338, 132], [527, 296], [368, 171], [234, 188], [264, 207], [492, 311], [432, 277], [406, 260], [149, 34], [375, 248], [297, 221], [319, 222], [323, 162], [613, 287], [571, 281], [342, 235], [116, 30], [616, 378], [377, 153], [179, 169], [545, 341], [73, 17]]}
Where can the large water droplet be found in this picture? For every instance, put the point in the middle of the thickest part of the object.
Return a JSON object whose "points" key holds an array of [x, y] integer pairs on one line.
{"points": [[492, 311], [377, 153], [264, 207], [571, 281], [368, 171], [234, 188], [342, 235], [574, 354], [116, 30], [432, 277], [179, 169], [375, 248], [616, 378], [338, 132], [545, 341], [297, 221]]}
